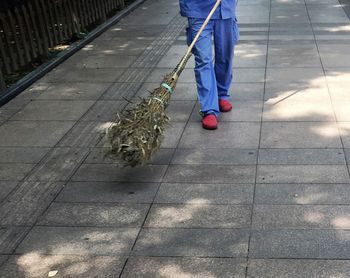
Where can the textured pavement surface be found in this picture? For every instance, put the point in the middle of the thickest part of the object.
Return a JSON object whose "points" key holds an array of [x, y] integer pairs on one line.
{"points": [[266, 195]]}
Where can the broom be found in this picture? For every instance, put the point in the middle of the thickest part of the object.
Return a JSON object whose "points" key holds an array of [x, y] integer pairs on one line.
{"points": [[138, 132]]}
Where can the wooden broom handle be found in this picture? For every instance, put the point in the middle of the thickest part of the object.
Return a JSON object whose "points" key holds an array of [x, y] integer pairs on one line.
{"points": [[190, 48]]}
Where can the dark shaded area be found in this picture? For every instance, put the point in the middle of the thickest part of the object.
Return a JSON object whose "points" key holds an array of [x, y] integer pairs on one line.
{"points": [[346, 6], [10, 4]]}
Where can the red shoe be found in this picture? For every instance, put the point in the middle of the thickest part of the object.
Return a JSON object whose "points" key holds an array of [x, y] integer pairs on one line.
{"points": [[225, 105], [210, 122]]}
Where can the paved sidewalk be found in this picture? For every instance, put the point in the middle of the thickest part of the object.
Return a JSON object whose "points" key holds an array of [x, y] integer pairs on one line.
{"points": [[266, 195]]}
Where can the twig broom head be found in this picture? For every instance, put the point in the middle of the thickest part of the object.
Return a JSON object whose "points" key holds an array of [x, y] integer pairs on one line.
{"points": [[138, 132]]}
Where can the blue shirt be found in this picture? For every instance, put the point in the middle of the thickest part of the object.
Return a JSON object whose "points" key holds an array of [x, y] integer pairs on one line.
{"points": [[201, 8]]}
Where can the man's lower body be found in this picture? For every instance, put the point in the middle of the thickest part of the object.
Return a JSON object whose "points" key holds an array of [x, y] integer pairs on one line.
{"points": [[213, 75]]}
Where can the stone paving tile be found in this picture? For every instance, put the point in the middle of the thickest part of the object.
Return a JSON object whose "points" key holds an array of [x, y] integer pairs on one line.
{"points": [[148, 267], [198, 216], [302, 156], [27, 202], [243, 92], [3, 259], [14, 171], [22, 155], [246, 75], [100, 61], [204, 194], [172, 134], [180, 111], [53, 110], [98, 155], [338, 74], [215, 156], [108, 192], [344, 133], [78, 241], [302, 174], [104, 110], [302, 75], [173, 56], [297, 93], [214, 174], [301, 217], [192, 242], [59, 164], [31, 93], [300, 135], [341, 110], [120, 91], [74, 91], [5, 188], [113, 215], [303, 194], [298, 268], [68, 266], [229, 135], [84, 134], [10, 237], [250, 55], [327, 13], [301, 244], [33, 133], [60, 74], [113, 172]]}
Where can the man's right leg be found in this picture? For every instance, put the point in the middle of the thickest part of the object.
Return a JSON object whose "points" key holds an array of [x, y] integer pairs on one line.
{"points": [[204, 68]]}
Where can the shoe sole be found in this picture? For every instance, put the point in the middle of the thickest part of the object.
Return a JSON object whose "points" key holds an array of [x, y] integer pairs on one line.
{"points": [[209, 128]]}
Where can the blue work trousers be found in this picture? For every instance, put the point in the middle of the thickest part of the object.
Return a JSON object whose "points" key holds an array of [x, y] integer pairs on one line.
{"points": [[213, 77]]}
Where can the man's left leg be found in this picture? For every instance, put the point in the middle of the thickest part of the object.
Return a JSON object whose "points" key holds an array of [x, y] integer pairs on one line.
{"points": [[224, 40]]}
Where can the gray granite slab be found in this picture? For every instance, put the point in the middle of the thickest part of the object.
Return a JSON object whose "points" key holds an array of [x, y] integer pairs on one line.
{"points": [[302, 174], [113, 215], [68, 266], [228, 135], [180, 111], [74, 91], [27, 202], [148, 267], [3, 259], [5, 188], [33, 133], [303, 194], [301, 75], [247, 92], [302, 156], [14, 171], [300, 135], [59, 164], [84, 134], [112, 192], [78, 241], [10, 237], [192, 242], [198, 216], [157, 75], [100, 61], [215, 156], [104, 111], [61, 74], [98, 155], [22, 155], [247, 75], [344, 132], [298, 268], [172, 134], [301, 244], [213, 174], [301, 217], [120, 91], [205, 193], [54, 110], [113, 172]]}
